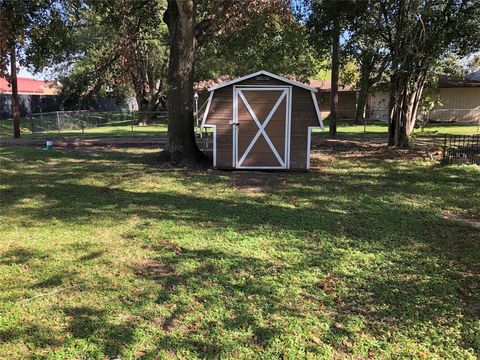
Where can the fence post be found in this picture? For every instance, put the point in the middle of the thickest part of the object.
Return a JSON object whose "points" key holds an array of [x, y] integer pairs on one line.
{"points": [[58, 122], [32, 125], [444, 148]]}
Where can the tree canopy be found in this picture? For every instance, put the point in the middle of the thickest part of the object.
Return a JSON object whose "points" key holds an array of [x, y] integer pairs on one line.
{"points": [[123, 45], [34, 33], [281, 46]]}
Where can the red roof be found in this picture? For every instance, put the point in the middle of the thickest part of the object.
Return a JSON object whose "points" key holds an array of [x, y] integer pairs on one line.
{"points": [[29, 86]]}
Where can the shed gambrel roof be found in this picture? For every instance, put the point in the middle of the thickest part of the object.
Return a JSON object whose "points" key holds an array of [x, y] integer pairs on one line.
{"points": [[266, 73]]}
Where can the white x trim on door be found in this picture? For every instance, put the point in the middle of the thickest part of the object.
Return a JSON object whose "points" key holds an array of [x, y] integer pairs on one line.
{"points": [[261, 127]]}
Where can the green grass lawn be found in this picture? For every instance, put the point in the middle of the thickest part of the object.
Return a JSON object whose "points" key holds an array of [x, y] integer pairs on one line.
{"points": [[104, 254], [379, 129], [6, 131]]}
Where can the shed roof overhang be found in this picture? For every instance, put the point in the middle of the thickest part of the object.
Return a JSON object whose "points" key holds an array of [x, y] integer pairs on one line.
{"points": [[265, 73]]}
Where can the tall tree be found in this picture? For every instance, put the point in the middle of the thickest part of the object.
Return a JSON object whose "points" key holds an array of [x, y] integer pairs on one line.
{"points": [[418, 34], [329, 21], [192, 24], [372, 65], [14, 84], [121, 43], [334, 78], [14, 20], [32, 32], [369, 52]]}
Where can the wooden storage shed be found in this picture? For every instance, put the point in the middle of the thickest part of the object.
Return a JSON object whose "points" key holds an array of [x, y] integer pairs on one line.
{"points": [[262, 121]]}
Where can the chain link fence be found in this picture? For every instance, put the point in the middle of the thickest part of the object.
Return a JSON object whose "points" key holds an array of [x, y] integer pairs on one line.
{"points": [[87, 121]]}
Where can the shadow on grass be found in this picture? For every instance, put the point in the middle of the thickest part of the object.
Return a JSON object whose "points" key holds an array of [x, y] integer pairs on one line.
{"points": [[418, 263], [18, 256]]}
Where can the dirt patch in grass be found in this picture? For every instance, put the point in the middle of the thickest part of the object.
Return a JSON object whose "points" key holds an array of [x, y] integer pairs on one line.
{"points": [[169, 323], [328, 150], [156, 270], [462, 218], [165, 244], [166, 275], [257, 182], [472, 303]]}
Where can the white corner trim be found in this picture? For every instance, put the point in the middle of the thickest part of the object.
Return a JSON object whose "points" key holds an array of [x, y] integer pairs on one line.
{"points": [[309, 144], [214, 150], [289, 127], [214, 127], [207, 109], [317, 110], [266, 73]]}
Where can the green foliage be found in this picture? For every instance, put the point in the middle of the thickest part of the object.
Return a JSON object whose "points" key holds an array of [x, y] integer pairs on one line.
{"points": [[278, 47], [122, 45], [41, 32], [474, 64], [320, 20], [451, 65]]}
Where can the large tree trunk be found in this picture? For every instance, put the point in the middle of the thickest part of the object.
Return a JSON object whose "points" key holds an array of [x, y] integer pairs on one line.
{"points": [[180, 19], [362, 95], [406, 96], [391, 107], [335, 75], [146, 110], [15, 104]]}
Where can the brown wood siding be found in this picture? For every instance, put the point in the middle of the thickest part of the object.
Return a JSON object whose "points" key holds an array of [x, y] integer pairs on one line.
{"points": [[303, 115], [220, 114]]}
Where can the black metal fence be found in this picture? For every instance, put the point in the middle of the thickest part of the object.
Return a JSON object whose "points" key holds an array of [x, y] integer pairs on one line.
{"points": [[461, 149]]}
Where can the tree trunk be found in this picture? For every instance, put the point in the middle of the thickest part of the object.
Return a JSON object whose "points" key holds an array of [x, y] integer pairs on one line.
{"points": [[180, 19], [15, 104], [362, 96], [145, 110], [335, 75], [391, 107], [403, 115]]}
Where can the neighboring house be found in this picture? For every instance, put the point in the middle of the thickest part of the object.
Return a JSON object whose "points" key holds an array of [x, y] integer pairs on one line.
{"points": [[458, 101], [347, 99], [34, 96], [377, 105], [37, 96]]}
